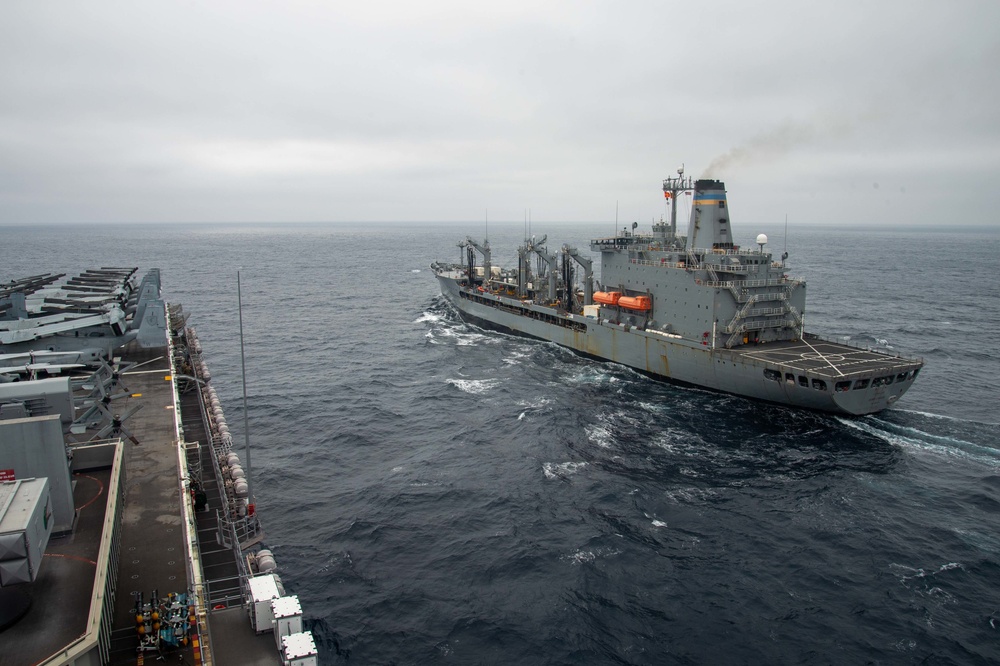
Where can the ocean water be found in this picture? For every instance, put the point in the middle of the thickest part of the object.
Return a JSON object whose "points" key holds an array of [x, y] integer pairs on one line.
{"points": [[439, 494]]}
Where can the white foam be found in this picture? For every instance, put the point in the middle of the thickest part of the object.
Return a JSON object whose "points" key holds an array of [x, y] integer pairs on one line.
{"points": [[690, 495], [474, 386], [659, 523], [428, 316], [536, 404], [514, 358], [587, 556], [918, 440], [461, 338], [675, 440], [928, 414], [600, 435], [561, 470], [906, 573]]}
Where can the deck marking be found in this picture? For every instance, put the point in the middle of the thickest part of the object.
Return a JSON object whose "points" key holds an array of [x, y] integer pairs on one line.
{"points": [[810, 356], [821, 356]]}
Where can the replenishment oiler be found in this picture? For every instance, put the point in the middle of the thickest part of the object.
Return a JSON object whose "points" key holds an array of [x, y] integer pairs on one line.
{"points": [[695, 309]]}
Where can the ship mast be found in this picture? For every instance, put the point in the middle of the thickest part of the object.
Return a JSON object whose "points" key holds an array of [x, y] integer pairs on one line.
{"points": [[671, 188]]}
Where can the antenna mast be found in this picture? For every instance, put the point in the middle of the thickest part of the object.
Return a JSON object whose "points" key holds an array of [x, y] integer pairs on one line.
{"points": [[784, 251], [671, 188], [246, 418]]}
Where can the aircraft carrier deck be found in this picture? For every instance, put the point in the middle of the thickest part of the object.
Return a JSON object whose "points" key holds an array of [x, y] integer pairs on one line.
{"points": [[137, 531]]}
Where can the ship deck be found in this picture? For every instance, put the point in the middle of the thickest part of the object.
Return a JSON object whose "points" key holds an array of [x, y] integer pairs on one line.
{"points": [[153, 554], [825, 358], [60, 597]]}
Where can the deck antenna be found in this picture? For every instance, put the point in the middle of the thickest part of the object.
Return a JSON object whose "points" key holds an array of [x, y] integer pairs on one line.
{"points": [[246, 418], [616, 217]]}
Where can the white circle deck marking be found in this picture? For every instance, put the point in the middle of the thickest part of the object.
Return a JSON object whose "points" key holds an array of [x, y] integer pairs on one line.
{"points": [[817, 356]]}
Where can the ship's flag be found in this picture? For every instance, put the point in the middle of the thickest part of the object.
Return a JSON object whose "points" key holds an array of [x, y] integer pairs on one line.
{"points": [[666, 195]]}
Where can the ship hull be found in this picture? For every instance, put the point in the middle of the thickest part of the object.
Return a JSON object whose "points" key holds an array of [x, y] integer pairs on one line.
{"points": [[692, 362]]}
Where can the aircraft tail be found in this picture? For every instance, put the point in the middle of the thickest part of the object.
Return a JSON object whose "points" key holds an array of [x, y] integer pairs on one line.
{"points": [[13, 307], [153, 326], [148, 292]]}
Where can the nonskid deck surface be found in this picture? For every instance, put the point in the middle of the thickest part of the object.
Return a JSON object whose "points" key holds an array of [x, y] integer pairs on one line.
{"points": [[825, 358]]}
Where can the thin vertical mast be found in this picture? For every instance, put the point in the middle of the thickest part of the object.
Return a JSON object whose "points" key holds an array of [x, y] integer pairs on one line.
{"points": [[246, 418]]}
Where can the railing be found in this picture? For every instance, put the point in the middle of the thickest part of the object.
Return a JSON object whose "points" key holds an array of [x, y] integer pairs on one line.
{"points": [[744, 284], [861, 347], [756, 325], [763, 296], [234, 531], [242, 531], [766, 312], [226, 592], [753, 325], [664, 264]]}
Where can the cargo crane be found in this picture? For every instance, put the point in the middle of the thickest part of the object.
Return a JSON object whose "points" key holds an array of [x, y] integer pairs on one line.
{"points": [[588, 273]]}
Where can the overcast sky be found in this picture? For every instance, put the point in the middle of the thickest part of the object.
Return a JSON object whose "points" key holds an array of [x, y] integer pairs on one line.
{"points": [[861, 112]]}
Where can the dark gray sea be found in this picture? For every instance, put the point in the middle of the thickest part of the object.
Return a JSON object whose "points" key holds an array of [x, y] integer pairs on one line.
{"points": [[439, 494]]}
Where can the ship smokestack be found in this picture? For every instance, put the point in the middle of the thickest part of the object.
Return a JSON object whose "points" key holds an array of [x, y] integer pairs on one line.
{"points": [[709, 226]]}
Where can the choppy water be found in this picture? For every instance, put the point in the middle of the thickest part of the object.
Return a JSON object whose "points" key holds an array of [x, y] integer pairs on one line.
{"points": [[439, 494]]}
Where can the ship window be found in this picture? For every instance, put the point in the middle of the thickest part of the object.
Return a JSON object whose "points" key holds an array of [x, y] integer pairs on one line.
{"points": [[915, 373], [882, 381], [790, 378], [901, 377], [860, 384], [803, 381], [819, 385], [722, 204], [843, 386], [773, 375]]}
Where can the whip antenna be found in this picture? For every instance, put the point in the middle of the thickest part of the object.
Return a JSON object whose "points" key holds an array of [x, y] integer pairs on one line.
{"points": [[246, 418]]}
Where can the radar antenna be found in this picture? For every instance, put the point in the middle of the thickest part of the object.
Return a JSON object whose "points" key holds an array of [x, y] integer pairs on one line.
{"points": [[671, 188]]}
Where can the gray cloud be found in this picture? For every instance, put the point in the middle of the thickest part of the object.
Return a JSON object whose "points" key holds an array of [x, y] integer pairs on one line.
{"points": [[435, 111]]}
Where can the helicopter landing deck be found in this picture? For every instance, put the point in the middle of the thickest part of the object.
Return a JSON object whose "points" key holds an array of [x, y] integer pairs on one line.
{"points": [[836, 361]]}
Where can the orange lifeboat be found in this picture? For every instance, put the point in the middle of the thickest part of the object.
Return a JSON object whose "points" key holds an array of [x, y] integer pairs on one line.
{"points": [[635, 302], [607, 297]]}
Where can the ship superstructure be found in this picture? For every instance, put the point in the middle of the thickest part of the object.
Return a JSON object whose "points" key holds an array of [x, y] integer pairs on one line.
{"points": [[696, 309]]}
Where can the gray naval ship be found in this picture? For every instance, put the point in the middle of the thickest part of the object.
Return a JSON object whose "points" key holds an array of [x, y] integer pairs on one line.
{"points": [[696, 310]]}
